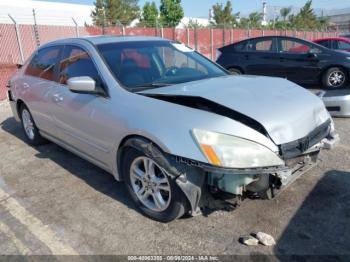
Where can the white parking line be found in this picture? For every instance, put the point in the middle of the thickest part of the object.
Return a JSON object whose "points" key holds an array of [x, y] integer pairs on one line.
{"points": [[35, 226], [22, 249]]}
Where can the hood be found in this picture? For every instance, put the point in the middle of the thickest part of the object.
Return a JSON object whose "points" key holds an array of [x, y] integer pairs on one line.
{"points": [[285, 110]]}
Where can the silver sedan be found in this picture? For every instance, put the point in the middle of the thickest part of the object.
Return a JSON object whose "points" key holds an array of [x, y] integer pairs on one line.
{"points": [[177, 128]]}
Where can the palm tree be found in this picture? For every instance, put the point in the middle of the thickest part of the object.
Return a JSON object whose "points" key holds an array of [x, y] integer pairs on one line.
{"points": [[285, 12], [255, 18]]}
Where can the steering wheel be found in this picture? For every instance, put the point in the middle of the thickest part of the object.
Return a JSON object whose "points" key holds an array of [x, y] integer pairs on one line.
{"points": [[171, 71]]}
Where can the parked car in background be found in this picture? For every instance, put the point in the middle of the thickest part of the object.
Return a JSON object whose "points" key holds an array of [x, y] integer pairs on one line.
{"points": [[173, 125], [300, 61], [336, 43], [337, 102], [346, 35]]}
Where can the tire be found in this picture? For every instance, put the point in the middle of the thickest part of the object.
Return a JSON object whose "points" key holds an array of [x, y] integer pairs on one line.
{"points": [[334, 78], [235, 71], [30, 130], [174, 200]]}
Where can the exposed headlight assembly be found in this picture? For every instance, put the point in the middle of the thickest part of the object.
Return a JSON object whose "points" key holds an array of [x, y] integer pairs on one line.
{"points": [[234, 152]]}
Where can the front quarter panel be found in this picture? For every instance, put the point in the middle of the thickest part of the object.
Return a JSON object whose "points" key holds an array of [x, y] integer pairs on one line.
{"points": [[169, 125]]}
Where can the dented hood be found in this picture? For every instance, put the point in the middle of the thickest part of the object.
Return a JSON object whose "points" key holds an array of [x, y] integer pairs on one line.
{"points": [[287, 111]]}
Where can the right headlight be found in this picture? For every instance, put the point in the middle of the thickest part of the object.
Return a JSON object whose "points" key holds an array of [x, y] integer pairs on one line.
{"points": [[234, 152]]}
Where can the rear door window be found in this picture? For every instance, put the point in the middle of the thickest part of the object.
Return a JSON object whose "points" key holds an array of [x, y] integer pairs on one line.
{"points": [[325, 43], [43, 63], [260, 45], [241, 46]]}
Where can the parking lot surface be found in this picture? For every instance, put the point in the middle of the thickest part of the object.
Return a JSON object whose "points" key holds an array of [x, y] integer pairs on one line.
{"points": [[53, 202]]}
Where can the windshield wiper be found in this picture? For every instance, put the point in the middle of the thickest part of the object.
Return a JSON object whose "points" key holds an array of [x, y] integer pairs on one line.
{"points": [[145, 86]]}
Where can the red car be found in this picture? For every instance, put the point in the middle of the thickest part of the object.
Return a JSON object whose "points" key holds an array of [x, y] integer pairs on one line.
{"points": [[336, 43]]}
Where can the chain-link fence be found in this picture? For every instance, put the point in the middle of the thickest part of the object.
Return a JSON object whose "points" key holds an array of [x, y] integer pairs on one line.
{"points": [[18, 41]]}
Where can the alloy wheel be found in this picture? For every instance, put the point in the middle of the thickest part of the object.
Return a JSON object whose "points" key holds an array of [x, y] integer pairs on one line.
{"points": [[150, 183], [336, 78], [28, 124]]}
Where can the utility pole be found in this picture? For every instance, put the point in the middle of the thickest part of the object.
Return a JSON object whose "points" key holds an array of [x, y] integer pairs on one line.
{"points": [[36, 32]]}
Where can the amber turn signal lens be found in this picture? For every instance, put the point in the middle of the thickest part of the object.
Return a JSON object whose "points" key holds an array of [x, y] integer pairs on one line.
{"points": [[211, 155]]}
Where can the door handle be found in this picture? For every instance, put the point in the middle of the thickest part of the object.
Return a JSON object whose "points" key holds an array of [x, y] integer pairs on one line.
{"points": [[57, 98]]}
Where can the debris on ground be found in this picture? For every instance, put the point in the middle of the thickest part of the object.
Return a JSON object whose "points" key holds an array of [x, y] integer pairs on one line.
{"points": [[265, 239], [249, 240]]}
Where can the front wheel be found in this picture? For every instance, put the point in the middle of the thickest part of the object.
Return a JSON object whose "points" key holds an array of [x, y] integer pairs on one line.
{"points": [[152, 189], [335, 77]]}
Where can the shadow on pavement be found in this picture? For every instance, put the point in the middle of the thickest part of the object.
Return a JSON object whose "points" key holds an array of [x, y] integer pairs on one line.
{"points": [[95, 177], [321, 226]]}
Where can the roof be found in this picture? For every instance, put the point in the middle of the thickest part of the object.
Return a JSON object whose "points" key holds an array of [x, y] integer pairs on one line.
{"points": [[344, 39], [104, 39]]}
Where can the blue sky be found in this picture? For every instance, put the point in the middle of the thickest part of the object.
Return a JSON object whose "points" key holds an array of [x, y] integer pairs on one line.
{"points": [[200, 8]]}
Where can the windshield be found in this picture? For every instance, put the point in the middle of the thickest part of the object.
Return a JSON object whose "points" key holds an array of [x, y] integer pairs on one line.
{"points": [[150, 64]]}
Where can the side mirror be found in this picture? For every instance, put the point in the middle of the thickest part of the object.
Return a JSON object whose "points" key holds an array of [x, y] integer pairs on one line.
{"points": [[313, 52], [82, 84]]}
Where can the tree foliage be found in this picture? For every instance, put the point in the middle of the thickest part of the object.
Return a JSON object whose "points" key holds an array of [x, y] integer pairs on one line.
{"points": [[285, 12], [223, 15], [150, 14], [98, 14], [171, 12], [306, 18], [114, 12]]}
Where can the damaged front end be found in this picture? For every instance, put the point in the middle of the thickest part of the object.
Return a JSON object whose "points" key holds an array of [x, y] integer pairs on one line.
{"points": [[212, 183]]}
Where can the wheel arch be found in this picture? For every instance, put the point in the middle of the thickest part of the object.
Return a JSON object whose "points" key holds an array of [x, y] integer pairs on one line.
{"points": [[138, 142], [236, 67], [190, 184], [325, 69]]}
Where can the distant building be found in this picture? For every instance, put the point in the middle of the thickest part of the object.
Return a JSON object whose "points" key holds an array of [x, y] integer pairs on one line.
{"points": [[47, 13], [199, 21], [340, 19]]}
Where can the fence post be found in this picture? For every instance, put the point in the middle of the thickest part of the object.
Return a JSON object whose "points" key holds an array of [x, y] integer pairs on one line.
{"points": [[18, 37], [231, 36], [188, 36], [36, 32], [211, 44], [195, 39], [76, 27], [162, 32], [224, 35]]}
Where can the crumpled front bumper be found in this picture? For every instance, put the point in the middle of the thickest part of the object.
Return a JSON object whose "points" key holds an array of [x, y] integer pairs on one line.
{"points": [[237, 182]]}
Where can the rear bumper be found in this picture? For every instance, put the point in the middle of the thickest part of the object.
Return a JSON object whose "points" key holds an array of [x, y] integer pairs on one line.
{"points": [[13, 105]]}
